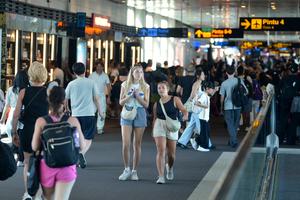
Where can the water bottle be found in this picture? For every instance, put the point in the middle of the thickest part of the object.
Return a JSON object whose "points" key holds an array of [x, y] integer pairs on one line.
{"points": [[76, 138]]}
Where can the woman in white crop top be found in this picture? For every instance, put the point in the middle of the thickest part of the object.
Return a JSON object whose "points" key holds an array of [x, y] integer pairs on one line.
{"points": [[134, 93]]}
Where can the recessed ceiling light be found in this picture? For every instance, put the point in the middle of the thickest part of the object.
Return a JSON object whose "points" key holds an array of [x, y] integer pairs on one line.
{"points": [[243, 6], [207, 13]]}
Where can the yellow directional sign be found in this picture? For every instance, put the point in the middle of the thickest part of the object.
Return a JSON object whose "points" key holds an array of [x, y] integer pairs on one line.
{"points": [[246, 24], [219, 33], [250, 45], [270, 24]]}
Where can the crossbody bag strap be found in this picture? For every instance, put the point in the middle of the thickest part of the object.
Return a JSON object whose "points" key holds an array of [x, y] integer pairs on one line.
{"points": [[31, 100], [163, 108]]}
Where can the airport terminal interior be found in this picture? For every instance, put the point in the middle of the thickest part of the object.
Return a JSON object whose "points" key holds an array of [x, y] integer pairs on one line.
{"points": [[149, 99]]}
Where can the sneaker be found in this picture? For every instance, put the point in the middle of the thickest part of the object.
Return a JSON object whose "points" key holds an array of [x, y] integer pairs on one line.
{"points": [[160, 180], [194, 143], [182, 146], [247, 128], [212, 147], [20, 164], [134, 175], [125, 175], [100, 131], [82, 161], [202, 149], [26, 196], [170, 173]]}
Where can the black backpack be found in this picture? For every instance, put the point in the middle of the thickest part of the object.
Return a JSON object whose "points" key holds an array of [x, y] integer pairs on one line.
{"points": [[8, 165], [60, 143], [239, 95]]}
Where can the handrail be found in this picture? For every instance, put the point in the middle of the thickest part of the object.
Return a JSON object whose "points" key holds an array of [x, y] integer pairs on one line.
{"points": [[244, 149]]}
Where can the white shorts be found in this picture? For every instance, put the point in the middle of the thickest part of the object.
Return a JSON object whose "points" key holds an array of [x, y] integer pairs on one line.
{"points": [[160, 130]]}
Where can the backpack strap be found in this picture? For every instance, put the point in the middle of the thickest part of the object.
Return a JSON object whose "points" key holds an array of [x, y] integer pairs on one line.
{"points": [[48, 119], [64, 118]]}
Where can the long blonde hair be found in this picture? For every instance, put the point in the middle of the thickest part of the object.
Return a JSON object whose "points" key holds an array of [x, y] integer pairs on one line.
{"points": [[130, 79]]}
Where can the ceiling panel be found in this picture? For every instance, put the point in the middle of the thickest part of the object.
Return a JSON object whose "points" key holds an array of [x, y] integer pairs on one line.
{"points": [[216, 13]]}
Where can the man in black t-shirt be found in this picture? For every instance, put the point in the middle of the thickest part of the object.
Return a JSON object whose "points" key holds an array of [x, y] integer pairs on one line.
{"points": [[185, 83]]}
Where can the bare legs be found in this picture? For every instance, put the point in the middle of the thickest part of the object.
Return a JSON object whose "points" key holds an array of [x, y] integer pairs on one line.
{"points": [[137, 143], [26, 166], [164, 146], [61, 191]]}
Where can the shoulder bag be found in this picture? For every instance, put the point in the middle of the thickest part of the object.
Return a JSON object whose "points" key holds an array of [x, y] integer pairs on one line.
{"points": [[8, 165], [188, 105], [128, 112], [172, 125]]}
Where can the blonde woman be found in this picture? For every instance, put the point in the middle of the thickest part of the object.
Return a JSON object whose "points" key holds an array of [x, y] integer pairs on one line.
{"points": [[165, 140], [134, 93], [34, 100]]}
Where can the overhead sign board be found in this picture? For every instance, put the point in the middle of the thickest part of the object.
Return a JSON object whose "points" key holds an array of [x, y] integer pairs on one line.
{"points": [[270, 24], [80, 19], [219, 33], [101, 21], [250, 45], [163, 32]]}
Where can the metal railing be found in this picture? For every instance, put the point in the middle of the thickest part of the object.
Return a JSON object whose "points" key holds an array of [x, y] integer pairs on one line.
{"points": [[264, 168]]}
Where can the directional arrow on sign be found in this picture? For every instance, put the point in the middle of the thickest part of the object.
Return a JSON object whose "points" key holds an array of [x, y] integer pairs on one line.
{"points": [[246, 24], [198, 33]]}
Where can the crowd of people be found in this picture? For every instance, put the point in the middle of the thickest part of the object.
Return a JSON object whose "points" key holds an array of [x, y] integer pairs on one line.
{"points": [[177, 102]]}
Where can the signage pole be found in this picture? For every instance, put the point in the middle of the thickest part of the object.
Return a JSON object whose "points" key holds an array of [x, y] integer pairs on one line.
{"points": [[268, 33]]}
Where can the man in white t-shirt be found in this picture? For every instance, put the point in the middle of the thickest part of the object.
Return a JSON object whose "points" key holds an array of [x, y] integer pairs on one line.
{"points": [[103, 86], [82, 93]]}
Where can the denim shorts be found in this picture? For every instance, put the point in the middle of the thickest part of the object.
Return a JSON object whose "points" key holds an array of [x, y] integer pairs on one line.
{"points": [[140, 120], [88, 126]]}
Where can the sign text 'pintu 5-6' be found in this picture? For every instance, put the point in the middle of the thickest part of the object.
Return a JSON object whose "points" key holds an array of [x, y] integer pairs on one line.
{"points": [[219, 33], [270, 24]]}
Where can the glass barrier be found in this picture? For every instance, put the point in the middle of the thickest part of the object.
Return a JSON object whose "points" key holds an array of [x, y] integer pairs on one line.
{"points": [[253, 168]]}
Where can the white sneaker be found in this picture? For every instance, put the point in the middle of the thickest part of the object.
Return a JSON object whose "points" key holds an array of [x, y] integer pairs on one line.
{"points": [[134, 175], [20, 164], [26, 196], [202, 149], [247, 128], [125, 175], [170, 173], [194, 143], [160, 180]]}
